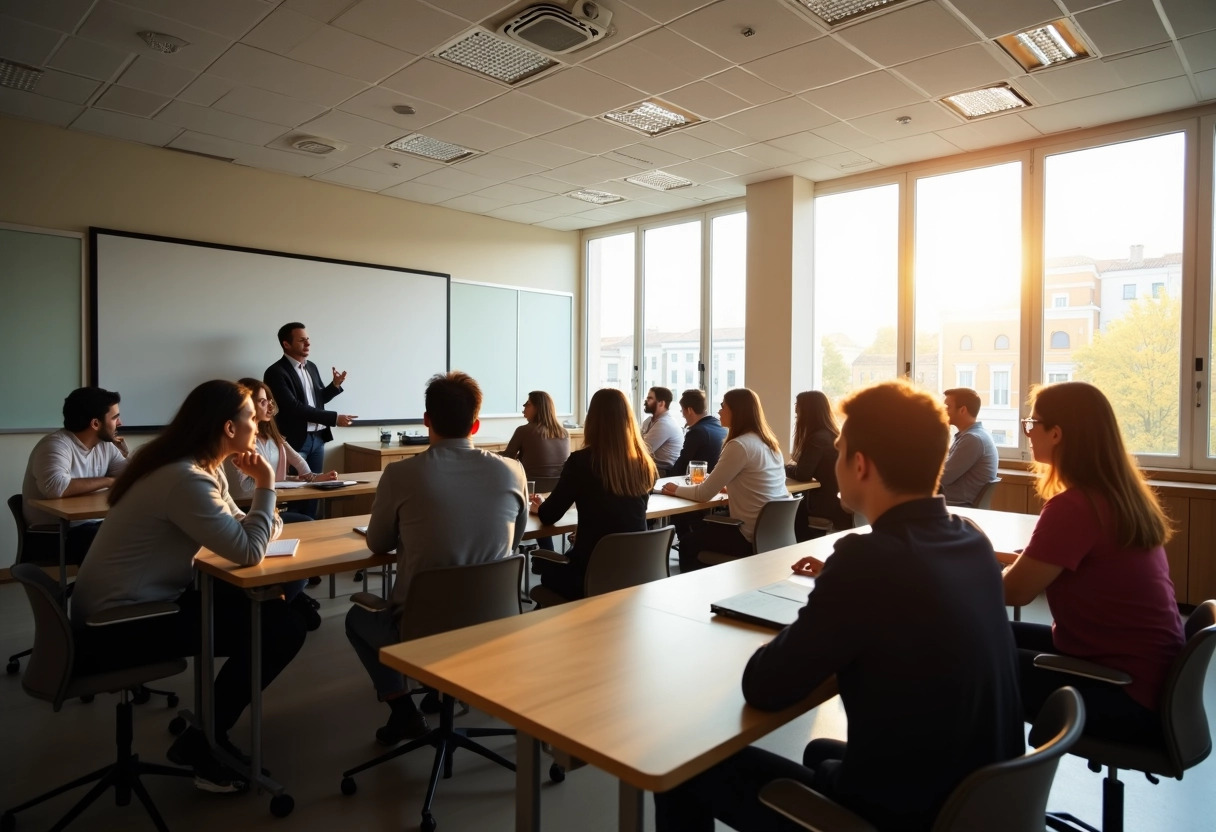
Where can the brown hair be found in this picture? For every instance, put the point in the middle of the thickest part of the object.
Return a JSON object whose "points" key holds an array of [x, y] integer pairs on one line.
{"points": [[618, 456], [453, 400], [812, 412], [1091, 456], [268, 429], [747, 416], [902, 430], [546, 415], [965, 397]]}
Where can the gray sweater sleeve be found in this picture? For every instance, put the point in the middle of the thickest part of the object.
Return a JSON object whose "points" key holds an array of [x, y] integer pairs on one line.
{"points": [[211, 518]]}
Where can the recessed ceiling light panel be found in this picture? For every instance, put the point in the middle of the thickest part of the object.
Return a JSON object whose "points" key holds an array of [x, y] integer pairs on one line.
{"points": [[596, 197], [986, 101], [494, 57], [1043, 46], [162, 42], [419, 145], [657, 180], [17, 76], [835, 12], [652, 117]]}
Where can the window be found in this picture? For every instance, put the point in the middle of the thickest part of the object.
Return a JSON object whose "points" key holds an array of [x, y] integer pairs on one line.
{"points": [[654, 362], [964, 343], [1000, 437], [965, 377], [730, 356], [1059, 301], [1158, 290], [611, 374], [1000, 388], [1059, 340], [1001, 342], [688, 357], [688, 377], [672, 313], [675, 377], [730, 379], [1129, 291], [1056, 378], [610, 317], [728, 275], [674, 358]]}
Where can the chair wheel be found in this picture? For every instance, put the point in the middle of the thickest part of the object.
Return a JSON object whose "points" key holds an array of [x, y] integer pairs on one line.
{"points": [[359, 576], [12, 669], [428, 822], [140, 695], [177, 726], [349, 786], [556, 773], [171, 700], [281, 805]]}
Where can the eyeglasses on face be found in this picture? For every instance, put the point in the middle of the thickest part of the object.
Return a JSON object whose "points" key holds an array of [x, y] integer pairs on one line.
{"points": [[1028, 425]]}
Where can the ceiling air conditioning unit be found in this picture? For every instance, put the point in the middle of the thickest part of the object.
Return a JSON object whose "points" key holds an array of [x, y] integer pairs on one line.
{"points": [[552, 29]]}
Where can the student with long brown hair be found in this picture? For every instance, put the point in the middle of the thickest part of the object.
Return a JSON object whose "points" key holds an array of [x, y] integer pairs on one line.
{"points": [[814, 458], [542, 445], [1098, 554], [751, 465], [609, 480]]}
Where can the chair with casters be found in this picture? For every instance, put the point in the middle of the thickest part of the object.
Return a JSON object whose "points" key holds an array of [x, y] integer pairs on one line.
{"points": [[1185, 739], [774, 529], [35, 544], [49, 675], [1002, 797], [618, 561], [440, 600]]}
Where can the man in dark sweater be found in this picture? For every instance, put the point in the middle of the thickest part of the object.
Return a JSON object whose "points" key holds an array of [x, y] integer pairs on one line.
{"points": [[703, 441], [911, 620]]}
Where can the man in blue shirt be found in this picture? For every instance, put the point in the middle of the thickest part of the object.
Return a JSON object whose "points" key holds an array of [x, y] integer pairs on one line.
{"points": [[971, 463]]}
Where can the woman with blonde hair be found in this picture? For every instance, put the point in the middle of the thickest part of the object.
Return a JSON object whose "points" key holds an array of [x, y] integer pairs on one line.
{"points": [[814, 458], [542, 445], [751, 465], [609, 480], [1098, 554]]}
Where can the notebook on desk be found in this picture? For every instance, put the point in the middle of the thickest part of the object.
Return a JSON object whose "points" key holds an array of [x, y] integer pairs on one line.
{"points": [[774, 606]]}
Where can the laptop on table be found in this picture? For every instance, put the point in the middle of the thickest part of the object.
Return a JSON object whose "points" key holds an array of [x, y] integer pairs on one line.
{"points": [[775, 606]]}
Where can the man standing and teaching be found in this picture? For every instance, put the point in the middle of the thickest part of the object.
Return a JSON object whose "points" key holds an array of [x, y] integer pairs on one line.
{"points": [[296, 384]]}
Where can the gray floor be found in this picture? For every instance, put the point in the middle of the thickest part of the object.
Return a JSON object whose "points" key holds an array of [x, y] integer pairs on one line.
{"points": [[321, 716]]}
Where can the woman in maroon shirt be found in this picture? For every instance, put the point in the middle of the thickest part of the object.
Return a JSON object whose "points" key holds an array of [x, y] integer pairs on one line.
{"points": [[1098, 554]]}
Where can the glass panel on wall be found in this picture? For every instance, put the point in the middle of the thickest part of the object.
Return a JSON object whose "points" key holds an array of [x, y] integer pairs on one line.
{"points": [[610, 278], [728, 266], [856, 257], [968, 279], [1113, 241], [672, 279]]}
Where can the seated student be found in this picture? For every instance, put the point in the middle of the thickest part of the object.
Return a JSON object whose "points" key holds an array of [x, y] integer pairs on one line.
{"points": [[609, 480], [659, 431], [542, 445], [703, 439], [453, 504], [85, 456], [1097, 553], [911, 621], [171, 501], [814, 458], [972, 461], [752, 468]]}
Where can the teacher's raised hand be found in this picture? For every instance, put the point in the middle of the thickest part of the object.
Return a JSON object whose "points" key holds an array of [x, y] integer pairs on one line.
{"points": [[338, 377]]}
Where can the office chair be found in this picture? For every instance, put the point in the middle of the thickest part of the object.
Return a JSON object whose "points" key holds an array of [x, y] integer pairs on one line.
{"points": [[34, 545], [1002, 797], [618, 560], [50, 675], [774, 529], [1185, 739], [983, 499], [439, 600]]}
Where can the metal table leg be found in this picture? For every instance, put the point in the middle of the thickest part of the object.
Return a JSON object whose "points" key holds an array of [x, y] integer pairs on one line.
{"points": [[206, 701], [527, 783], [629, 808], [64, 527]]}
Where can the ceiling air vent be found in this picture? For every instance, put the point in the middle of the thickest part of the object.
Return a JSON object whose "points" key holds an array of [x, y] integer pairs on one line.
{"points": [[312, 144], [554, 30]]}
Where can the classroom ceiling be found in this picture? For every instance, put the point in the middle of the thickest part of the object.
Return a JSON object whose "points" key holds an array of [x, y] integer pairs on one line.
{"points": [[778, 91]]}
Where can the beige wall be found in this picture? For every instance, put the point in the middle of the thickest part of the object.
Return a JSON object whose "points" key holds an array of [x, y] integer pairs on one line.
{"points": [[60, 179]]}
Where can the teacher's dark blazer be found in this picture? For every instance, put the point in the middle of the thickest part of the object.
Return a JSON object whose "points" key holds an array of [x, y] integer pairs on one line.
{"points": [[294, 413]]}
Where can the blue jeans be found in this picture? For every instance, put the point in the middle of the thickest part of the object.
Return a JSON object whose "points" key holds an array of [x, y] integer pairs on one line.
{"points": [[313, 451], [368, 631]]}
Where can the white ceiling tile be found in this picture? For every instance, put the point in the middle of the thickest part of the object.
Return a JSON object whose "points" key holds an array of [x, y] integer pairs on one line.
{"points": [[392, 162], [85, 57], [780, 118], [282, 31], [511, 193], [348, 54], [746, 86], [863, 95], [502, 168], [211, 145], [582, 91], [959, 70], [433, 80], [593, 136], [846, 135], [1160, 96], [665, 11], [283, 75], [808, 145], [683, 143], [656, 62], [926, 117], [297, 164], [151, 75], [65, 87], [813, 171], [524, 113], [911, 149], [61, 15], [217, 123], [268, 106], [768, 155], [719, 28], [1207, 84], [475, 10], [716, 134], [542, 152], [706, 100], [1078, 80], [117, 25], [206, 89], [593, 169], [355, 129], [26, 43], [563, 205], [401, 24], [1200, 51], [642, 156], [1000, 18], [1122, 26], [543, 183], [605, 214], [1143, 67], [907, 33], [363, 179], [37, 107], [132, 102], [566, 223], [1189, 17], [455, 180], [323, 10], [473, 133], [230, 18], [815, 64], [521, 213], [848, 162], [698, 172], [989, 132], [735, 163], [377, 103], [474, 203], [122, 126]]}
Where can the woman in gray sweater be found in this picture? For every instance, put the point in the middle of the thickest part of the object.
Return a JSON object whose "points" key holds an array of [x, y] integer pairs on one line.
{"points": [[172, 500]]}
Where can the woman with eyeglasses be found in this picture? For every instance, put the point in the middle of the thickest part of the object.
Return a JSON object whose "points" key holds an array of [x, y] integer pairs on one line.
{"points": [[1098, 554]]}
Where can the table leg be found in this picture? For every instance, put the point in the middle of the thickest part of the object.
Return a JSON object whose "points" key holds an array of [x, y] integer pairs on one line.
{"points": [[206, 691], [333, 585], [630, 808], [527, 783], [65, 526], [255, 687]]}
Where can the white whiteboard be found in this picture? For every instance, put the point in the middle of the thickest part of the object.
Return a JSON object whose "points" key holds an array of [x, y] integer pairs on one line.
{"points": [[169, 314]]}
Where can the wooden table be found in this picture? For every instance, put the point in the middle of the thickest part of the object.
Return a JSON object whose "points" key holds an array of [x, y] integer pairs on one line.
{"points": [[643, 683]]}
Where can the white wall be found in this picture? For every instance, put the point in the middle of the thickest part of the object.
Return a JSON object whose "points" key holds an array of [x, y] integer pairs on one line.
{"points": [[60, 179]]}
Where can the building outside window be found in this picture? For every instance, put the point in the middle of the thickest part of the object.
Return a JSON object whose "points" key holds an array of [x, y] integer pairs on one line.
{"points": [[1129, 291]]}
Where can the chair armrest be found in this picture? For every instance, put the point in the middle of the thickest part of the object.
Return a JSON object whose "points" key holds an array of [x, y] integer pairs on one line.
{"points": [[721, 520], [132, 612], [1080, 667], [811, 809], [372, 603], [552, 557]]}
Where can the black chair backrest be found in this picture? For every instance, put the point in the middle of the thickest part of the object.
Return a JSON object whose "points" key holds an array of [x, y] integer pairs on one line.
{"points": [[775, 525], [33, 545], [452, 597], [984, 498], [49, 670], [1188, 738], [628, 559], [1012, 796]]}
